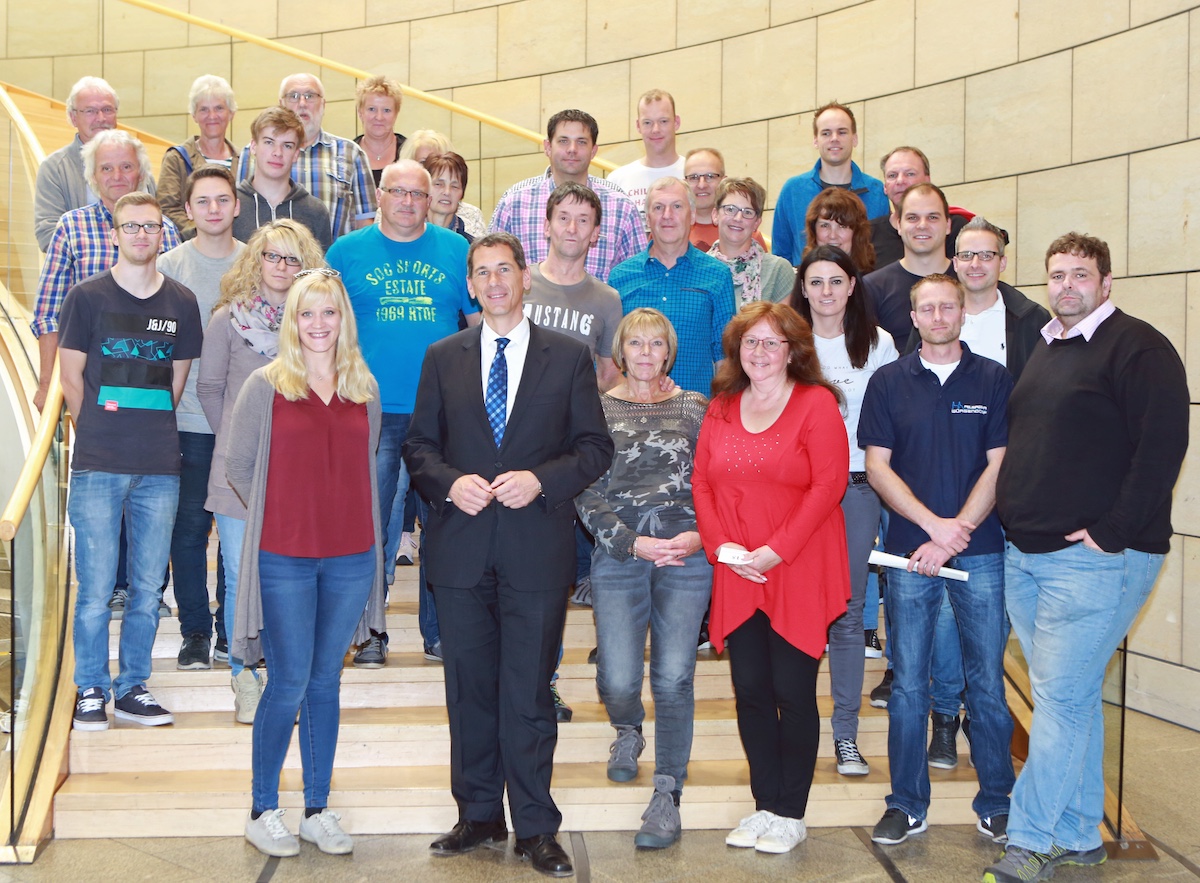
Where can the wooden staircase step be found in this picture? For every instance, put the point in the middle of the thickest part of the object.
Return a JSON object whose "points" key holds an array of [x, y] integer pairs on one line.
{"points": [[387, 799]]}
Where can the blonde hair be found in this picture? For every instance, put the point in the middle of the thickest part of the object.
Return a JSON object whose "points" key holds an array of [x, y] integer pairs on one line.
{"points": [[288, 373], [379, 85], [240, 284], [424, 138], [648, 321]]}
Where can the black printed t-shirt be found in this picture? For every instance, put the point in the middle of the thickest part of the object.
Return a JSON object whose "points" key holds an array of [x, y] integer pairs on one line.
{"points": [[126, 424]]}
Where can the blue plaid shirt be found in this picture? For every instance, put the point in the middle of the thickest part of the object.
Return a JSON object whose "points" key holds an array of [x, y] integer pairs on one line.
{"points": [[79, 248], [696, 295], [522, 212], [335, 171]]}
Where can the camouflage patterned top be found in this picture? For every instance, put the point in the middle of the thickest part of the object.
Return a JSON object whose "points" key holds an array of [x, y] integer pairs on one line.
{"points": [[648, 489]]}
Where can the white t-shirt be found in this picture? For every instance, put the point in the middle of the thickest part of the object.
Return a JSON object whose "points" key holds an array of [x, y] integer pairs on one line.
{"points": [[835, 364], [984, 333], [636, 178], [942, 372]]}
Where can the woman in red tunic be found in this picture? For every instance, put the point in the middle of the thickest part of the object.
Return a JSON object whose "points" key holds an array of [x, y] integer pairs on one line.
{"points": [[772, 464]]}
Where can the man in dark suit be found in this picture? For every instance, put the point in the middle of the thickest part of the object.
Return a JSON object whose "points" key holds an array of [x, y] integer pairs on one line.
{"points": [[506, 430]]}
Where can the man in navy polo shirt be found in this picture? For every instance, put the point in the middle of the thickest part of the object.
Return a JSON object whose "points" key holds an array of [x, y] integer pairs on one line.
{"points": [[934, 425]]}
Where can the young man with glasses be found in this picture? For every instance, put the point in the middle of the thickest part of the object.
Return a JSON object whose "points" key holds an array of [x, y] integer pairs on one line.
{"points": [[128, 338], [407, 284], [270, 193], [694, 291], [334, 170]]}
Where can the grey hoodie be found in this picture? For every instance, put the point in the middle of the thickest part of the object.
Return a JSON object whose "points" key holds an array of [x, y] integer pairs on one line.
{"points": [[299, 205]]}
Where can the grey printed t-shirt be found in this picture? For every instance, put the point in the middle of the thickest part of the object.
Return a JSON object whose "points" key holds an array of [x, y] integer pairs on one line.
{"points": [[588, 311]]}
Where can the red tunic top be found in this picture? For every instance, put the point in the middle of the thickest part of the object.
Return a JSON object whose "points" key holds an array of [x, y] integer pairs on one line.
{"points": [[781, 487], [318, 500]]}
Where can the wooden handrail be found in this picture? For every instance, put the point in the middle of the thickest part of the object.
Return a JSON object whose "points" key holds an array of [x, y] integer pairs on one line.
{"points": [[31, 470], [22, 124], [357, 73]]}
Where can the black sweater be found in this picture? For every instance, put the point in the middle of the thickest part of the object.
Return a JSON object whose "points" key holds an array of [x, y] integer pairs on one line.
{"points": [[1097, 434]]}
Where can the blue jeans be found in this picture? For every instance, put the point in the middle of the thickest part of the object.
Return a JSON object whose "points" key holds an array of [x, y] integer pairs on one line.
{"points": [[310, 609], [393, 488], [912, 604], [627, 597], [96, 502], [189, 540], [947, 678], [1070, 610], [231, 531]]}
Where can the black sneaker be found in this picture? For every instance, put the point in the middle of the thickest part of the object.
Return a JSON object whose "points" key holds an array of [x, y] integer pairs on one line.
{"points": [[89, 710], [562, 711], [994, 827], [881, 694], [117, 602], [139, 706], [433, 652], [193, 655], [221, 650], [943, 750], [874, 650], [372, 654], [896, 826]]}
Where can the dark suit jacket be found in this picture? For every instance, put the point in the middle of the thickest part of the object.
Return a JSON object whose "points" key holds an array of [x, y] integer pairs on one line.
{"points": [[556, 430]]}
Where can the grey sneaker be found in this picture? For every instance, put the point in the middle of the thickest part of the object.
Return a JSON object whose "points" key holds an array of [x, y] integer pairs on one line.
{"points": [[117, 602], [660, 822], [850, 761], [89, 710], [583, 592], [623, 754], [270, 836], [323, 830], [373, 653], [896, 826], [164, 609], [193, 654], [1021, 865], [247, 690], [139, 706]]}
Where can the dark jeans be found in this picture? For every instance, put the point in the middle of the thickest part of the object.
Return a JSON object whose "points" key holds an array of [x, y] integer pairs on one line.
{"points": [[775, 686], [189, 540]]}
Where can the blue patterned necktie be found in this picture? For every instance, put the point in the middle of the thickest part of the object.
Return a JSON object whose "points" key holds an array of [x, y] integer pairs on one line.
{"points": [[496, 399]]}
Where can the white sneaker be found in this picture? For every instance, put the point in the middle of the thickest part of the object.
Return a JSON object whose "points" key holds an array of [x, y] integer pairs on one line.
{"points": [[406, 552], [782, 836], [247, 690], [323, 830], [270, 836], [749, 829]]}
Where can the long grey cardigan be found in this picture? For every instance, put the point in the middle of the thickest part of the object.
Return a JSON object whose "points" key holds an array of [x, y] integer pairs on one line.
{"points": [[246, 460]]}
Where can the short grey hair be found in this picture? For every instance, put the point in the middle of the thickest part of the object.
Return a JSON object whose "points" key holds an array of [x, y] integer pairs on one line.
{"points": [[214, 86], [670, 181], [115, 138], [97, 83], [981, 224], [283, 83]]}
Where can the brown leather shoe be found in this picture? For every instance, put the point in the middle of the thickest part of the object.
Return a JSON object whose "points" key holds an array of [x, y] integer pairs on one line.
{"points": [[546, 855], [468, 835]]}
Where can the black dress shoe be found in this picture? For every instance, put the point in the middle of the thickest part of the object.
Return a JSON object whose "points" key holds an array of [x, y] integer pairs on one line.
{"points": [[546, 855], [467, 835]]}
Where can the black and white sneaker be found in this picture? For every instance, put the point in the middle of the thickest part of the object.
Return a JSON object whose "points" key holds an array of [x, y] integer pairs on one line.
{"points": [[193, 654], [850, 761], [89, 710], [896, 826], [116, 603], [139, 706], [994, 827], [874, 650], [881, 694]]}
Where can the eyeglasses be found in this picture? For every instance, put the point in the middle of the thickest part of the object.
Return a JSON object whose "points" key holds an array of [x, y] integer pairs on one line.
{"points": [[400, 193], [985, 256], [130, 227], [320, 271], [107, 111], [271, 258], [770, 344], [710, 177], [297, 97], [732, 211]]}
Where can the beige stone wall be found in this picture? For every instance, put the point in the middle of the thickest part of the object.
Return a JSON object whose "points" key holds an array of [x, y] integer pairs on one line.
{"points": [[1045, 115]]}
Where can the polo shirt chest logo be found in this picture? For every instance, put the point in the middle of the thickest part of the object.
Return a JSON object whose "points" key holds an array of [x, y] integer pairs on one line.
{"points": [[960, 408]]}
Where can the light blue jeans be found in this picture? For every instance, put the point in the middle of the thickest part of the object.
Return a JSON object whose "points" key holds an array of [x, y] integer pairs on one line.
{"points": [[1070, 610], [231, 531], [912, 603], [627, 597], [95, 505], [310, 608]]}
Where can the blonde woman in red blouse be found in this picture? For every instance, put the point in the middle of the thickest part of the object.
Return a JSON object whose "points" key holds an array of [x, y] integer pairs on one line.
{"points": [[302, 456], [772, 463]]}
